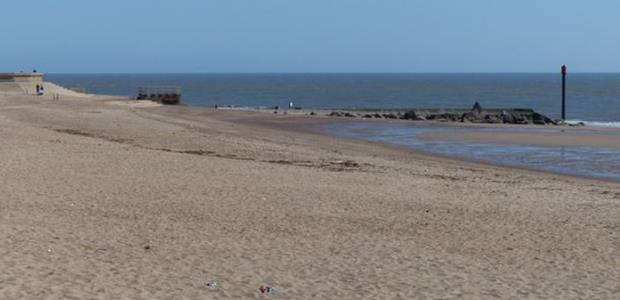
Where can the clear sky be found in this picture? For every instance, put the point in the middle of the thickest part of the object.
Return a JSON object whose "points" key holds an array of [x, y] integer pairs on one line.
{"points": [[141, 36]]}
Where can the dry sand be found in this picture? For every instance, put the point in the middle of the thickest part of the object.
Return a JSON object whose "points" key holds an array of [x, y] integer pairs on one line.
{"points": [[106, 201]]}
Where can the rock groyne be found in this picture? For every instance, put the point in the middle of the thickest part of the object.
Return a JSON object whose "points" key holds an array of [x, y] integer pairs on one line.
{"points": [[476, 115]]}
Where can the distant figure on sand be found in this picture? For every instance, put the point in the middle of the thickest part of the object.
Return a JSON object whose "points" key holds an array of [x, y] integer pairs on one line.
{"points": [[40, 90]]}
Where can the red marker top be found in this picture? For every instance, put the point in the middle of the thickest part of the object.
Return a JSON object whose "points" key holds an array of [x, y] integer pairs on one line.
{"points": [[564, 69]]}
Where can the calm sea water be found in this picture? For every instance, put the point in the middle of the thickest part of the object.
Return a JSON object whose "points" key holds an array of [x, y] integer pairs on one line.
{"points": [[591, 97]]}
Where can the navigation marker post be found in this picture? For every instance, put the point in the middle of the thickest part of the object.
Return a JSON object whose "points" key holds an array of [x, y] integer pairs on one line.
{"points": [[564, 71]]}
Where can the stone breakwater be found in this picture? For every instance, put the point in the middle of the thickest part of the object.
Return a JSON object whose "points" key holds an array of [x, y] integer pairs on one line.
{"points": [[475, 115]]}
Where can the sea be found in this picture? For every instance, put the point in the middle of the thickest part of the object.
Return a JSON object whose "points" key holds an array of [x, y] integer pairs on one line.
{"points": [[592, 98]]}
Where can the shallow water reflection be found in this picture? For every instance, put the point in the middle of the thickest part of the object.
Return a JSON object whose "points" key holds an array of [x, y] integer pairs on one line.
{"points": [[573, 160]]}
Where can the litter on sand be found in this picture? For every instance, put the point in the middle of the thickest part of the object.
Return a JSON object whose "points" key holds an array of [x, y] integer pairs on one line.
{"points": [[265, 289], [212, 285]]}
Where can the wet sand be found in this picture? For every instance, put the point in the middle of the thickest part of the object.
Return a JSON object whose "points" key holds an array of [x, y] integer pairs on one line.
{"points": [[551, 136], [107, 201], [558, 149]]}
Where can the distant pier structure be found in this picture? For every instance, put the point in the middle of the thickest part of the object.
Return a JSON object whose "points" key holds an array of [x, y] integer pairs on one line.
{"points": [[169, 95], [25, 83], [20, 82], [21, 77]]}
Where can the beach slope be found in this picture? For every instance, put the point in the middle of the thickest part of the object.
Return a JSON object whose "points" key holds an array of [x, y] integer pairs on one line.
{"points": [[107, 201]]}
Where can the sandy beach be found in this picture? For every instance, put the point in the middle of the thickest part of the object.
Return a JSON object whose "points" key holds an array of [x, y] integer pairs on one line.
{"points": [[101, 200]]}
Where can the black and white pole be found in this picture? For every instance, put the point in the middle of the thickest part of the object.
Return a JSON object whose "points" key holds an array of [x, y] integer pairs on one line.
{"points": [[564, 71]]}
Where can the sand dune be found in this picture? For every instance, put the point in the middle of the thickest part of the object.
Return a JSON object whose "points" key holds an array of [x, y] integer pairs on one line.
{"points": [[111, 202]]}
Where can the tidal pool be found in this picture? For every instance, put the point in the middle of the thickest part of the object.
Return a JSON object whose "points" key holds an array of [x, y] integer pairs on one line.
{"points": [[597, 162]]}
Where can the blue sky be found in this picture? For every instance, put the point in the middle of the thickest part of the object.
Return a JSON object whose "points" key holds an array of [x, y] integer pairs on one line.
{"points": [[141, 36]]}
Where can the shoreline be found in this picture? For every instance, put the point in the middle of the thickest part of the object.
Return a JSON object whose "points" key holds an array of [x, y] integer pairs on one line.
{"points": [[311, 128], [113, 201], [524, 135], [322, 117], [301, 122], [325, 112]]}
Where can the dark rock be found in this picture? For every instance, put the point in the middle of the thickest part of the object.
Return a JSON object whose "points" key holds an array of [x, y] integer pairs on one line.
{"points": [[390, 116], [335, 114], [538, 120], [473, 117], [541, 119], [349, 115], [368, 116], [516, 118], [312, 113], [411, 115], [378, 115], [508, 118], [452, 117], [493, 119]]}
